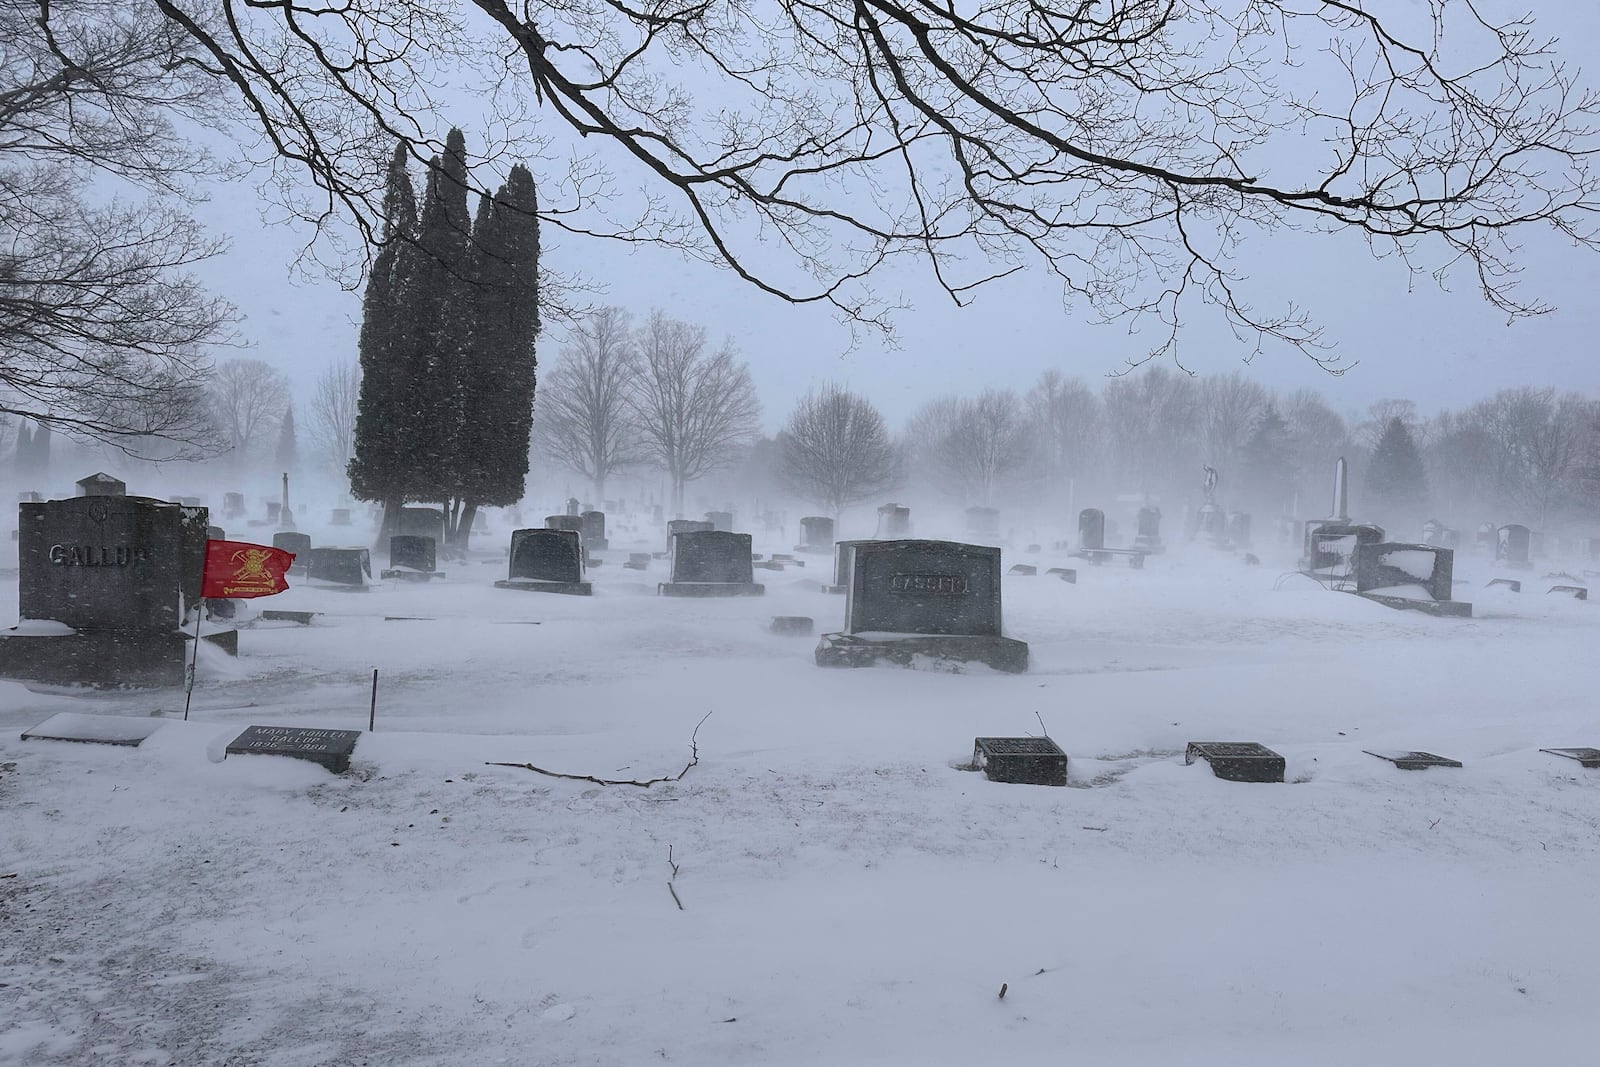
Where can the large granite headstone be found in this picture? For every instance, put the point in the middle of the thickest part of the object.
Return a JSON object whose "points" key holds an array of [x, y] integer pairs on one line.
{"points": [[841, 565], [420, 522], [104, 585], [346, 568], [102, 484], [910, 599], [816, 534], [593, 530], [678, 526], [233, 506], [711, 563], [1148, 536], [1394, 575], [412, 558], [546, 561], [297, 543], [1330, 547], [1091, 529], [721, 521], [1513, 546], [894, 521], [567, 523]]}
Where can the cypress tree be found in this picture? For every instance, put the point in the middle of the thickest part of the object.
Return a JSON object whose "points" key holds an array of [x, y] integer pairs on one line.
{"points": [[288, 453], [22, 455], [1397, 481], [1268, 462], [380, 468]]}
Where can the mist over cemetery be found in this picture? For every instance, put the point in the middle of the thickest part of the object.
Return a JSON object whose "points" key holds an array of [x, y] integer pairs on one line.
{"points": [[531, 684]]}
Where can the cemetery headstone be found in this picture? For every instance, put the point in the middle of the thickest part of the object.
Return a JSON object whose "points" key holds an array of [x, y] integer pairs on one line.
{"points": [[816, 534], [1330, 547], [412, 558], [1510, 583], [1238, 761], [546, 561], [1023, 760], [568, 523], [298, 543], [638, 561], [420, 522], [593, 529], [1066, 574], [329, 748], [573, 508], [1091, 529], [791, 625], [1023, 569], [123, 730], [1148, 536], [1576, 592], [894, 522], [1418, 577], [1433, 532], [1239, 529], [711, 563], [102, 484], [936, 600], [721, 521], [30, 497], [104, 585], [1414, 761], [216, 533], [841, 566], [678, 526], [274, 507], [343, 568], [1513, 546], [233, 506], [339, 517]]}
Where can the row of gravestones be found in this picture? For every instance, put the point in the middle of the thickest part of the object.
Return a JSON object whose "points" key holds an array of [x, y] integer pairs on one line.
{"points": [[1022, 760]]}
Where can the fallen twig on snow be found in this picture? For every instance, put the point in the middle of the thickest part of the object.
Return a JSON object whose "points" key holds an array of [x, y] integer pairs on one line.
{"points": [[674, 893], [694, 761]]}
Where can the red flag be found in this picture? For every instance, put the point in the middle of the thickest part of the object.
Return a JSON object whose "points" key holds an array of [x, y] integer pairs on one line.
{"points": [[238, 569]]}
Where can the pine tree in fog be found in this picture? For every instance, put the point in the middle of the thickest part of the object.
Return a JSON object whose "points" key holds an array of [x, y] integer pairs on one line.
{"points": [[1267, 463], [288, 452], [836, 450], [1397, 481]]}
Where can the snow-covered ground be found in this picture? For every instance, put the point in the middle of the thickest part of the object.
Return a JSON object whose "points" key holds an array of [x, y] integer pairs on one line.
{"points": [[848, 895]]}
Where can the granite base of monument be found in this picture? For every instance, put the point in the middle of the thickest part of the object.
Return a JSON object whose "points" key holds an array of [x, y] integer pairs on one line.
{"points": [[1238, 761], [1023, 760], [104, 659], [1448, 609], [124, 730], [329, 748], [1004, 654], [710, 589], [540, 585]]}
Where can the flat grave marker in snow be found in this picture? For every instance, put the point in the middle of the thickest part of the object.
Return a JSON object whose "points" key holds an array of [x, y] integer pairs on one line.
{"points": [[1589, 757], [330, 748], [1414, 761], [1238, 761], [1023, 760], [1510, 583], [1577, 592], [792, 625], [94, 729]]}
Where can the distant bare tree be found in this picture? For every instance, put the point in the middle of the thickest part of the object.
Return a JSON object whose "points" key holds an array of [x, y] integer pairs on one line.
{"points": [[581, 415], [1151, 429], [837, 450], [1370, 428], [1064, 421], [1541, 444], [1229, 407], [246, 398], [1318, 436], [693, 407], [103, 331], [971, 445], [333, 414]]}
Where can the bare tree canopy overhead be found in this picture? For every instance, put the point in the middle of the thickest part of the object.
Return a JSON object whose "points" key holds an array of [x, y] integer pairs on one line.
{"points": [[1129, 146]]}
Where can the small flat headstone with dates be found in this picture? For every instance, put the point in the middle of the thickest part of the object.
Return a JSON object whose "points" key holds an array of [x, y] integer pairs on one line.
{"points": [[94, 729], [1024, 760], [331, 748], [1414, 761], [1238, 761], [1589, 757]]}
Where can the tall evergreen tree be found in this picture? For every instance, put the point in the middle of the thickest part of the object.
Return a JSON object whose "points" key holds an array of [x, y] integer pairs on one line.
{"points": [[381, 469], [288, 452], [1397, 481], [22, 452], [1267, 459]]}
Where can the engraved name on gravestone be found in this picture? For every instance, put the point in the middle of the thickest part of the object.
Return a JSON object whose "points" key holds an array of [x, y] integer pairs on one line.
{"points": [[330, 748], [924, 587], [104, 562]]}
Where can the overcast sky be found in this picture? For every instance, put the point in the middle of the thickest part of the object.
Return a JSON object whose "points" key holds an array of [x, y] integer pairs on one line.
{"points": [[1404, 335]]}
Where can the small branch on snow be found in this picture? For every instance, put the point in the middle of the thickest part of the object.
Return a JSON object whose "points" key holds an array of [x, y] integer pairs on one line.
{"points": [[694, 761], [674, 893], [674, 866]]}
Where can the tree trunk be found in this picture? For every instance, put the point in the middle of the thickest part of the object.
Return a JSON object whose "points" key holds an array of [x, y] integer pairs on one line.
{"points": [[469, 515], [677, 496], [391, 517]]}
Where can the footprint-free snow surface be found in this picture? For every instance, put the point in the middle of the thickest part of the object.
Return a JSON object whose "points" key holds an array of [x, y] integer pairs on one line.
{"points": [[824, 885]]}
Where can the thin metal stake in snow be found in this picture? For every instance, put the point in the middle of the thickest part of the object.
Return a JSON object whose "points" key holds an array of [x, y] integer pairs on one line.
{"points": [[188, 680], [372, 718]]}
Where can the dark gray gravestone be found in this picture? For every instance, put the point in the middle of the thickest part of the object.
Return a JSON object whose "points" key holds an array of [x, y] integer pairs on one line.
{"points": [[103, 562], [339, 517], [420, 522], [565, 523], [216, 533], [1513, 545], [102, 484], [1385, 564], [638, 561], [841, 565], [816, 534], [1023, 760], [1091, 529], [350, 568], [1330, 546], [299, 544], [711, 563], [894, 521], [1588, 757], [274, 509], [233, 506], [1414, 761], [330, 748], [792, 625], [1238, 761], [1239, 529], [95, 729], [1148, 536], [678, 526], [721, 521], [594, 530], [911, 599], [572, 506], [412, 557], [546, 561]]}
